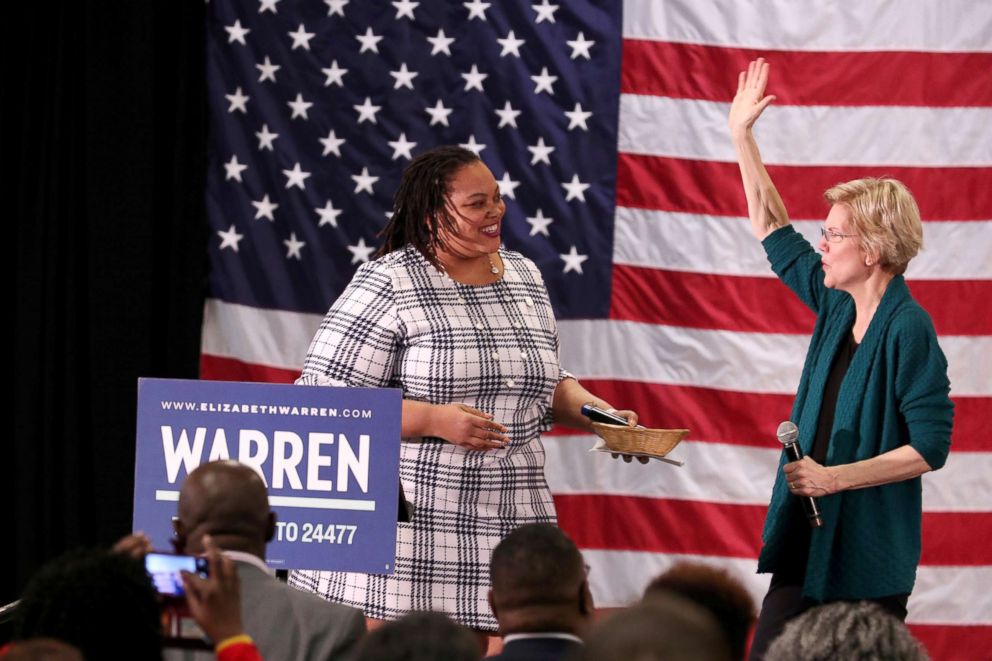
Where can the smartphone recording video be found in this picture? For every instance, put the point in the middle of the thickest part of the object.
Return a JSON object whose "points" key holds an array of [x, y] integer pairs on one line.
{"points": [[164, 569]]}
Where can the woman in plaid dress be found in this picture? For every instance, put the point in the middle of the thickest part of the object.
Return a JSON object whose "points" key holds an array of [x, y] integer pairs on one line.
{"points": [[466, 330]]}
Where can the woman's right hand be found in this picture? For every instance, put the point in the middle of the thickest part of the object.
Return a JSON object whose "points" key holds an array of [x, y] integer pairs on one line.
{"points": [[466, 427], [750, 100]]}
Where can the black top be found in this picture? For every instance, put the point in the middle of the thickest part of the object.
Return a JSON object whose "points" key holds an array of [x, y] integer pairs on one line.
{"points": [[796, 552]]}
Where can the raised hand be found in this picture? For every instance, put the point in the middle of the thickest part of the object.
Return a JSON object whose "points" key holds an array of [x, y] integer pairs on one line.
{"points": [[469, 428], [750, 100]]}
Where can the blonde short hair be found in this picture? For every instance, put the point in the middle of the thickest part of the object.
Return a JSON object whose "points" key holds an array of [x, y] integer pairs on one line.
{"points": [[885, 217]]}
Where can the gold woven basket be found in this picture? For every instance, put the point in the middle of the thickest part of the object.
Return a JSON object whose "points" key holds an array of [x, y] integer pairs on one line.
{"points": [[641, 440]]}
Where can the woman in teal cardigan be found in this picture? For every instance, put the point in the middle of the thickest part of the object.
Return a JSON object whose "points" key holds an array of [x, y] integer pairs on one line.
{"points": [[873, 406]]}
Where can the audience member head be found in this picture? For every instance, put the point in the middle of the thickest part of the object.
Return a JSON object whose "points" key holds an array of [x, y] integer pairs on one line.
{"points": [[42, 649], [662, 627], [852, 631], [718, 592], [420, 636], [98, 601], [539, 582], [229, 502]]}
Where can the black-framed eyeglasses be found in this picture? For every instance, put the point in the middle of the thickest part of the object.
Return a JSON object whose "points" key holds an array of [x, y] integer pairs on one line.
{"points": [[835, 237]]}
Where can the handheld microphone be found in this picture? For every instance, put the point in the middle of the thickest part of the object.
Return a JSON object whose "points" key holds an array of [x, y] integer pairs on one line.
{"points": [[788, 436]]}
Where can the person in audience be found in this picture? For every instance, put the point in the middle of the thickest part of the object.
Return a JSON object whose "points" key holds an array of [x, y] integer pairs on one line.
{"points": [[229, 502], [661, 627], [420, 636], [846, 630], [718, 592], [102, 603], [540, 594]]}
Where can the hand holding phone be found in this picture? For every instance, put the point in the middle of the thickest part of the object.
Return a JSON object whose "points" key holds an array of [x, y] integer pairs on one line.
{"points": [[164, 569]]}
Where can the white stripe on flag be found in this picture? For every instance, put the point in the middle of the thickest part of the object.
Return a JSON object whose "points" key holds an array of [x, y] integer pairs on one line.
{"points": [[867, 25], [724, 245], [726, 360], [943, 595], [736, 474], [843, 135]]}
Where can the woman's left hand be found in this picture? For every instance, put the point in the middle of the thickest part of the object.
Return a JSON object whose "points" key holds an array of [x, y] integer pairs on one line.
{"points": [[808, 478]]}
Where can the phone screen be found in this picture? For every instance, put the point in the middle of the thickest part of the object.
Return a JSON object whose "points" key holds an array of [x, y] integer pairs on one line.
{"points": [[164, 569]]}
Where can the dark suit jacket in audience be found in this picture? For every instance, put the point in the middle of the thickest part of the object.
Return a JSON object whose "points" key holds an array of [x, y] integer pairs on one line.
{"points": [[538, 649]]}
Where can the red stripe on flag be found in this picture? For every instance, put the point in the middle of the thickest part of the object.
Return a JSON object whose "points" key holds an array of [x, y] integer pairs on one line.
{"points": [[714, 187], [747, 418], [956, 306], [948, 642], [633, 523], [216, 368], [820, 78], [707, 300], [949, 538], [764, 305], [629, 523]]}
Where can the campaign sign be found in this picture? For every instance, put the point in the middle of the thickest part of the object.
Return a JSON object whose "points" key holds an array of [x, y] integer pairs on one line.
{"points": [[329, 457]]}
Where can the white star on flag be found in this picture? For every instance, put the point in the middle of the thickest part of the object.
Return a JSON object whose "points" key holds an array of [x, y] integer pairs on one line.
{"points": [[267, 70], [577, 117], [580, 46], [545, 12], [299, 107], [328, 215], [294, 246], [268, 5], [369, 41], [439, 114], [404, 77], [230, 239], [544, 82], [507, 116], [335, 7], [473, 79], [507, 186], [573, 261], [510, 44], [332, 144], [441, 43], [361, 252], [301, 38], [575, 189], [402, 147], [233, 169], [477, 9], [539, 224], [239, 101], [405, 8], [473, 146], [265, 138], [364, 181], [335, 74], [264, 208], [540, 152], [367, 111], [296, 177], [237, 33]]}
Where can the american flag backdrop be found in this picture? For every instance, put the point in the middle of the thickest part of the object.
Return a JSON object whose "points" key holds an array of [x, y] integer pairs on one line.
{"points": [[604, 124]]}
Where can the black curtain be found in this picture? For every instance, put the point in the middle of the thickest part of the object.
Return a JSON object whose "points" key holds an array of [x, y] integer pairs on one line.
{"points": [[104, 124]]}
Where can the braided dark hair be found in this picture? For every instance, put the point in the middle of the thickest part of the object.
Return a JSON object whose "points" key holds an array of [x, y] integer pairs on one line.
{"points": [[420, 203]]}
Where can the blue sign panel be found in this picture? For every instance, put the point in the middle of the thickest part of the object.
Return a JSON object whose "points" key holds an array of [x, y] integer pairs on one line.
{"points": [[329, 457]]}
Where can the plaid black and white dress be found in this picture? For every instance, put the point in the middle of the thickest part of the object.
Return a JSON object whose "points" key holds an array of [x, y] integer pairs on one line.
{"points": [[401, 323]]}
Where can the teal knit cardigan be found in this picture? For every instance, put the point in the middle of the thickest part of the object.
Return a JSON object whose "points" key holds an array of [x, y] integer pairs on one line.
{"points": [[895, 392]]}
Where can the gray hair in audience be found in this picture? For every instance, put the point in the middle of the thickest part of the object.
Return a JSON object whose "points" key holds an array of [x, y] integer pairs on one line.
{"points": [[853, 631]]}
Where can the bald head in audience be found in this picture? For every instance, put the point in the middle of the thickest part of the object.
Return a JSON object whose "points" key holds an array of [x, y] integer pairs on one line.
{"points": [[229, 502]]}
